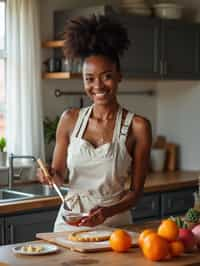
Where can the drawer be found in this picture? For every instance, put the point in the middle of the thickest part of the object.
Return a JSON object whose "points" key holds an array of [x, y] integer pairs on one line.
{"points": [[147, 207], [177, 202]]}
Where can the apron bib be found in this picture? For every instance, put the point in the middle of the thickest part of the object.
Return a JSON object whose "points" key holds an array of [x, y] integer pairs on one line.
{"points": [[97, 176]]}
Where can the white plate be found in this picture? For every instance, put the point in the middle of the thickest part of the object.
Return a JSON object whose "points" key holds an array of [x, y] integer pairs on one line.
{"points": [[47, 248]]}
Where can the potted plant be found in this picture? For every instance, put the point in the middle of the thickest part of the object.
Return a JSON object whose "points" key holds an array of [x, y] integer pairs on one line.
{"points": [[3, 153], [50, 127]]}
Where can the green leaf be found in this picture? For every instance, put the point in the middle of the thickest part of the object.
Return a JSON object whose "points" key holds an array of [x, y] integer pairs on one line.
{"points": [[2, 144], [50, 127]]}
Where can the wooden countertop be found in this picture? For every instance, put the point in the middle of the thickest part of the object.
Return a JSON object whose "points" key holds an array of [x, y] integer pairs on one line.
{"points": [[171, 180], [66, 257], [155, 182], [29, 204]]}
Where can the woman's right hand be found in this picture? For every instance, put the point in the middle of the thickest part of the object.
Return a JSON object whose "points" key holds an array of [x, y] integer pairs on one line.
{"points": [[53, 177]]}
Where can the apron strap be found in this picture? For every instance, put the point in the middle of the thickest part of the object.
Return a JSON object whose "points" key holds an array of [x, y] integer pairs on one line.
{"points": [[118, 122], [84, 121], [125, 127], [79, 122]]}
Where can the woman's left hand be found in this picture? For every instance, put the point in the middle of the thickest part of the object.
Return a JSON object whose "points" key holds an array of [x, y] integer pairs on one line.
{"points": [[96, 216]]}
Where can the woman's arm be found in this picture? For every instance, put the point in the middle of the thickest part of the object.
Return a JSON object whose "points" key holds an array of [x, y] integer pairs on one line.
{"points": [[141, 130], [63, 132]]}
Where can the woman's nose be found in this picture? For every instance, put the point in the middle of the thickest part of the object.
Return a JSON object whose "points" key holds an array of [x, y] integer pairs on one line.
{"points": [[98, 83]]}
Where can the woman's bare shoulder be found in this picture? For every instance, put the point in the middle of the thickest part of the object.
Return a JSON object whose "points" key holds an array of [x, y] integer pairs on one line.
{"points": [[68, 120], [141, 126], [138, 122], [70, 114]]}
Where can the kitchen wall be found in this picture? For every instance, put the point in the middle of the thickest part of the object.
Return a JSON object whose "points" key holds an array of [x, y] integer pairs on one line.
{"points": [[178, 109], [178, 119], [173, 111]]}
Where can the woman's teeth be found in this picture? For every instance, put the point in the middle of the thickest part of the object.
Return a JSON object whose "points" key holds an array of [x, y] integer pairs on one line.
{"points": [[100, 94]]}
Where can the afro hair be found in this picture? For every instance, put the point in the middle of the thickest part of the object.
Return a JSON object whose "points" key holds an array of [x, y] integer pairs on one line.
{"points": [[95, 35]]}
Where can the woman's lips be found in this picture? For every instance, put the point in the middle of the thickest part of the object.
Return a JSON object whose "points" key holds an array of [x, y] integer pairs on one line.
{"points": [[100, 95]]}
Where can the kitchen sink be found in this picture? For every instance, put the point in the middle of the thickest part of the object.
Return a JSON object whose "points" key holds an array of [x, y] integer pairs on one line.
{"points": [[40, 190], [7, 195]]}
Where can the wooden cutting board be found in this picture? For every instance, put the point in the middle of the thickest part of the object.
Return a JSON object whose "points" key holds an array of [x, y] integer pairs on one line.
{"points": [[61, 238]]}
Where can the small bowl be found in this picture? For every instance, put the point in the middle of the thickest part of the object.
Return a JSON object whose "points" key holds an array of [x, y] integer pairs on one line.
{"points": [[73, 218]]}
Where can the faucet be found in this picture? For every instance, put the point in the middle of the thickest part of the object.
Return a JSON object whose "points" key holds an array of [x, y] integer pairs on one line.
{"points": [[11, 167]]}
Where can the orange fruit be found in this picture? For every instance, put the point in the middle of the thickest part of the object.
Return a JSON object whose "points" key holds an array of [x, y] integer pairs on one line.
{"points": [[155, 248], [176, 248], [143, 234], [169, 230], [120, 240]]}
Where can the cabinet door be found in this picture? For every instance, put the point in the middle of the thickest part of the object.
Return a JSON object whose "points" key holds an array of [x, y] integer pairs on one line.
{"points": [[142, 57], [147, 208], [179, 50], [24, 227], [2, 232], [177, 202]]}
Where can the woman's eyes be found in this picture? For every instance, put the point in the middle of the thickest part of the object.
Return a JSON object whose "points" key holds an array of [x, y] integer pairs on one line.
{"points": [[104, 77], [89, 79]]}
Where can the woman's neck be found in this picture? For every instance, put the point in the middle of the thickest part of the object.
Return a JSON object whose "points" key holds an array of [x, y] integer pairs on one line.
{"points": [[105, 112]]}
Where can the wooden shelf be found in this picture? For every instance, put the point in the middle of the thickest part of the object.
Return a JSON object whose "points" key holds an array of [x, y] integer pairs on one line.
{"points": [[57, 75], [60, 75], [53, 44]]}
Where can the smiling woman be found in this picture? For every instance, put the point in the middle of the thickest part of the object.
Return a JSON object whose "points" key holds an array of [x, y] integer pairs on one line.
{"points": [[104, 146]]}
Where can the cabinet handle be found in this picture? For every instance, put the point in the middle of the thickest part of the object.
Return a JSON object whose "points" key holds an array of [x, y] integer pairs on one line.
{"points": [[161, 67], [165, 68], [169, 204], [2, 235], [11, 226], [153, 205]]}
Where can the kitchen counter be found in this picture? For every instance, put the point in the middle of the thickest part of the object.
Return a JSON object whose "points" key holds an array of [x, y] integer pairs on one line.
{"points": [[171, 180], [154, 182], [66, 257]]}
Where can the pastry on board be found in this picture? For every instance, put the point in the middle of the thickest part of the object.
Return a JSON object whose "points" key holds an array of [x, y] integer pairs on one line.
{"points": [[90, 235]]}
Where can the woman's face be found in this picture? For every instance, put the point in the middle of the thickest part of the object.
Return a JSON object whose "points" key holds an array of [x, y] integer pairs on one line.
{"points": [[101, 78]]}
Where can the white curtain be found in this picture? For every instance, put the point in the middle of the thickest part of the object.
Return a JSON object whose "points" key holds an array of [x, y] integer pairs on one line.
{"points": [[24, 103]]}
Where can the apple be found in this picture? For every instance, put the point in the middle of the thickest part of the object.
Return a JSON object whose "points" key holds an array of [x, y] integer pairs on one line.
{"points": [[196, 232], [188, 239]]}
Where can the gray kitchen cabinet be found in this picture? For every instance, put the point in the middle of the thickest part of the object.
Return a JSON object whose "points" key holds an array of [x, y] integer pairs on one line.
{"points": [[163, 49], [142, 57], [166, 49], [176, 202], [179, 50], [23, 227], [148, 207], [2, 232], [163, 204]]}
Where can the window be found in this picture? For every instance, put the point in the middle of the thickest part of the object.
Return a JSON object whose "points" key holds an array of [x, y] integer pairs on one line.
{"points": [[2, 68]]}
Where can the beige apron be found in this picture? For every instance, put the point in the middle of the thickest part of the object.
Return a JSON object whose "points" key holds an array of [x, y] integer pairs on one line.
{"points": [[97, 176]]}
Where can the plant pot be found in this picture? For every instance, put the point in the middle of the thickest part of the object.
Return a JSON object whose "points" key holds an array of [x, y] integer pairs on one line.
{"points": [[3, 158]]}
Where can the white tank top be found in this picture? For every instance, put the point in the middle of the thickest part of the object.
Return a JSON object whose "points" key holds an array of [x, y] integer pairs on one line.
{"points": [[97, 176]]}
